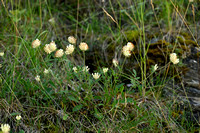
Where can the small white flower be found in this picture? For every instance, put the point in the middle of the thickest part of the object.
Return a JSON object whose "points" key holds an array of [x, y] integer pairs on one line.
{"points": [[18, 117], [83, 46], [36, 43], [75, 69], [130, 46], [69, 49], [37, 78], [173, 58], [71, 39], [59, 53], [86, 68], [115, 62], [155, 67], [96, 75], [52, 46], [46, 71], [5, 128], [105, 70], [1, 53], [47, 49]]}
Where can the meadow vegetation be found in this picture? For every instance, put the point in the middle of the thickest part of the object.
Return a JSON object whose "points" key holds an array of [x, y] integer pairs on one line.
{"points": [[95, 65]]}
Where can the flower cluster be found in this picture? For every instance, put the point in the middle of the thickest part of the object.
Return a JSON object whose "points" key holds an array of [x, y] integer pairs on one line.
{"points": [[173, 58], [96, 75], [126, 50], [36, 43], [5, 128], [69, 49], [83, 46]]}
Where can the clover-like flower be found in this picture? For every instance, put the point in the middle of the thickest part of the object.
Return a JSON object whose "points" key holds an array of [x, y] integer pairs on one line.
{"points": [[47, 49], [52, 46], [18, 117], [71, 39], [75, 69], [155, 67], [36, 43], [115, 62], [96, 75], [5, 128], [86, 69], [130, 46], [105, 70], [59, 53], [1, 53], [126, 51], [37, 78], [69, 49], [173, 58], [83, 46]]}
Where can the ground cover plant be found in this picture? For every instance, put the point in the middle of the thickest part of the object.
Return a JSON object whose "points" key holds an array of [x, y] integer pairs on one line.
{"points": [[99, 66]]}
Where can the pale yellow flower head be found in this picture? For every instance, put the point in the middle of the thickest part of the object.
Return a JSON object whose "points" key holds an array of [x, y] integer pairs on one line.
{"points": [[86, 69], [115, 62], [0, 65], [155, 67], [126, 52], [52, 46], [1, 53], [37, 78], [59, 53], [96, 75], [105, 70], [83, 46], [130, 46], [36, 43], [5, 128], [71, 39], [75, 69], [191, 0], [46, 71], [47, 49], [173, 58], [69, 49], [18, 117]]}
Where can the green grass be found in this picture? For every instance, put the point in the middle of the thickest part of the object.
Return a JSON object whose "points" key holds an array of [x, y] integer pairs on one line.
{"points": [[128, 98]]}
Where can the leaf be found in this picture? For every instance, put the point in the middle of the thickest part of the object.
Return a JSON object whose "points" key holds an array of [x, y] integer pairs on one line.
{"points": [[65, 117], [73, 98], [77, 108], [21, 131]]}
